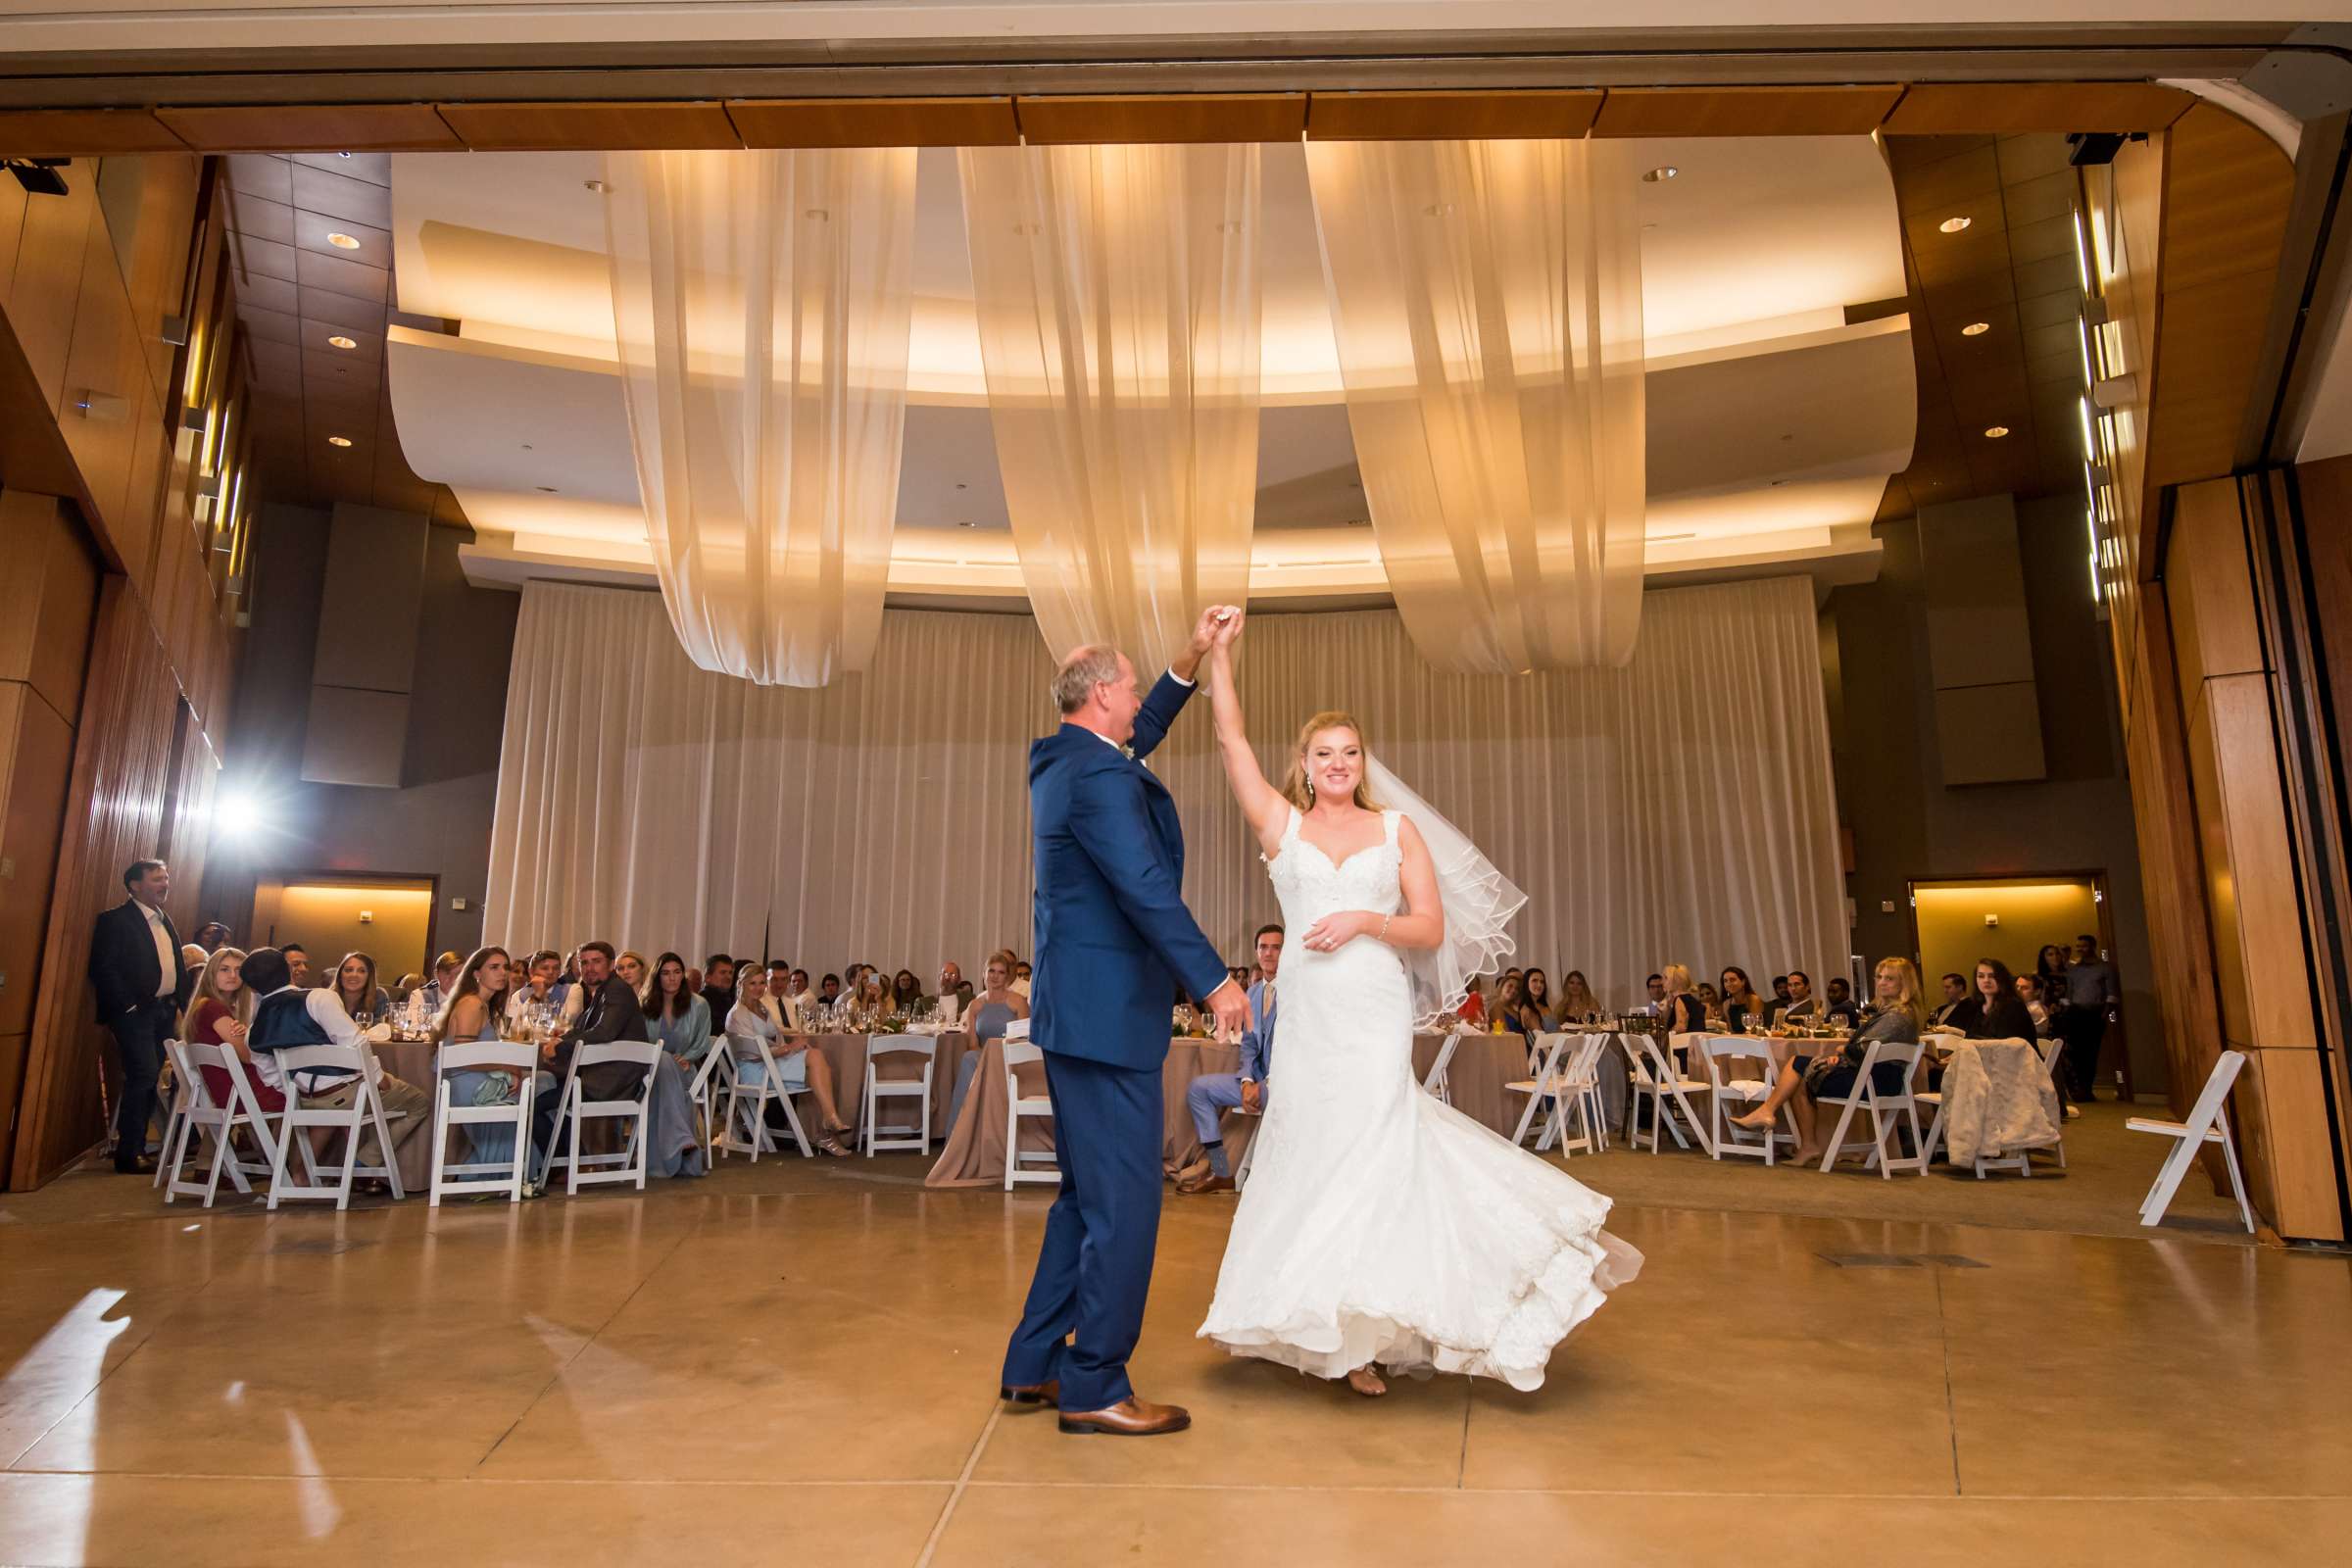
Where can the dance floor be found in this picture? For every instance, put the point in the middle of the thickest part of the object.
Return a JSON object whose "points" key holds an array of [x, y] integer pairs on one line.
{"points": [[798, 1363]]}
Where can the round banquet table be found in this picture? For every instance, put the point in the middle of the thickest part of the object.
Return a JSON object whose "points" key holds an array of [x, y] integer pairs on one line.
{"points": [[847, 1056]]}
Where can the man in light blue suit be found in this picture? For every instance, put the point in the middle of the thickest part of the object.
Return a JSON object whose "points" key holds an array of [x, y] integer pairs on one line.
{"points": [[1113, 944], [1214, 1093]]}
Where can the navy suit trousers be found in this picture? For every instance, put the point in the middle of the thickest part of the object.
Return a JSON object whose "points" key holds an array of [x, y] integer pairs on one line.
{"points": [[1095, 1268]]}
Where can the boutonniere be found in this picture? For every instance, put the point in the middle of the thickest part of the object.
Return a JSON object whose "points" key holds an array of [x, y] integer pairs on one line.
{"points": [[1128, 752]]}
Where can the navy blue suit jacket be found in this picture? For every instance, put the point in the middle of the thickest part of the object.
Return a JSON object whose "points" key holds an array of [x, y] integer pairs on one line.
{"points": [[1113, 936]]}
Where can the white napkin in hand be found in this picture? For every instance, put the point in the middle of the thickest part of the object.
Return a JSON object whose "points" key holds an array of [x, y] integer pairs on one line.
{"points": [[377, 1034]]}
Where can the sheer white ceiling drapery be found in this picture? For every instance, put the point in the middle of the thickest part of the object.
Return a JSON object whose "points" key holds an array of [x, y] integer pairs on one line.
{"points": [[1487, 301], [1117, 291], [762, 301], [885, 817]]}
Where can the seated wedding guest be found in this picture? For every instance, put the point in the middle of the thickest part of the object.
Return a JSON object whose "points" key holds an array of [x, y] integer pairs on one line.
{"points": [[678, 1018], [873, 995], [1020, 978], [609, 1011], [211, 936], [1958, 1008], [991, 1010], [1711, 999], [2002, 1014], [1473, 1010], [445, 977], [1576, 1001], [779, 990], [2029, 992], [2049, 967], [1538, 986], [1655, 985], [905, 995], [545, 985], [477, 1000], [719, 985], [798, 1000], [1803, 1005], [1840, 1008], [800, 1065], [219, 1016], [363, 998], [298, 963], [1895, 1020], [1742, 1007], [1682, 1009], [191, 957], [631, 968], [1211, 1095], [2046, 1026], [407, 986], [951, 1005], [286, 1015], [1507, 1013], [963, 1000], [1780, 998], [828, 990]]}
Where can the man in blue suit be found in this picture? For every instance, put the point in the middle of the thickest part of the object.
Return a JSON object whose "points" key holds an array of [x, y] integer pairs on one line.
{"points": [[1114, 943], [1214, 1094]]}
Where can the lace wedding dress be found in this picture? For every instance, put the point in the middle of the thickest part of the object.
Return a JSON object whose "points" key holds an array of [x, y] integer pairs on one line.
{"points": [[1380, 1224]]}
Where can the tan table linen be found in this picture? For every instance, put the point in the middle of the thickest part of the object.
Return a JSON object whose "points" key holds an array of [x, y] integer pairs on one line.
{"points": [[847, 1056], [974, 1152], [1998, 1100]]}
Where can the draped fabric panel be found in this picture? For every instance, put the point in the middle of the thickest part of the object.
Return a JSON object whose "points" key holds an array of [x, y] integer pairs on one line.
{"points": [[1487, 301], [885, 818], [1117, 291], [762, 301]]}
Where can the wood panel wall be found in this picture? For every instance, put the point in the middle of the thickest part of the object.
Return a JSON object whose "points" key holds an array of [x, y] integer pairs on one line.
{"points": [[113, 732]]}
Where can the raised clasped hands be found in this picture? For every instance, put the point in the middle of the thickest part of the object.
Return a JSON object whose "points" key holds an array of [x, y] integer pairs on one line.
{"points": [[1335, 931]]}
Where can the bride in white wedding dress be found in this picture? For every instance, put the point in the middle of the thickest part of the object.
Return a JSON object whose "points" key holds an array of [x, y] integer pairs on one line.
{"points": [[1380, 1228]]}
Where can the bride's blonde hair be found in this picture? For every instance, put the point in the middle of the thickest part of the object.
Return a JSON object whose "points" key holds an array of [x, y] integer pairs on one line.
{"points": [[1294, 785]]}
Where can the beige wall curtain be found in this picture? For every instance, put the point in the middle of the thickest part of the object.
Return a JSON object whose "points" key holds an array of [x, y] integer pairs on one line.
{"points": [[1117, 294], [762, 301], [1487, 301], [886, 817]]}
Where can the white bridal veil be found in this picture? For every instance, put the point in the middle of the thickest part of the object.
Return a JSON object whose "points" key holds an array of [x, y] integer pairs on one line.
{"points": [[1479, 901]]}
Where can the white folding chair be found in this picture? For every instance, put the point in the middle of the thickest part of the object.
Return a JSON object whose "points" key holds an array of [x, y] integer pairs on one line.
{"points": [[744, 1130], [175, 1123], [1434, 1080], [364, 1112], [1018, 1054], [918, 1089], [1724, 1091], [201, 1113], [2208, 1123], [576, 1111], [470, 1176], [2053, 1054], [707, 1084], [1567, 1081], [1883, 1108], [1654, 1077]]}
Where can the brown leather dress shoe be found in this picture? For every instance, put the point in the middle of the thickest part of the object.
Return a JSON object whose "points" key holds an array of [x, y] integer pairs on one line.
{"points": [[1046, 1392], [1207, 1183], [1131, 1417], [1191, 1173]]}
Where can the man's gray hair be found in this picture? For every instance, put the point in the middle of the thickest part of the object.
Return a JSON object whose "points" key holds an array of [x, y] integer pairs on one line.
{"points": [[1086, 668]]}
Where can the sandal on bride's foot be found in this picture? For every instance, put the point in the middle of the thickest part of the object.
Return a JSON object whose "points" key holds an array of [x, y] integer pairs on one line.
{"points": [[1367, 1381]]}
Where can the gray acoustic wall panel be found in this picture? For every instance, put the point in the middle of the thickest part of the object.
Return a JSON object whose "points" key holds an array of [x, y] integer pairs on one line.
{"points": [[1980, 645]]}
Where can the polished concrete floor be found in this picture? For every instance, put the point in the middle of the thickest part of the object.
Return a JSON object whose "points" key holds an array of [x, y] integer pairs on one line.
{"points": [[799, 1364]]}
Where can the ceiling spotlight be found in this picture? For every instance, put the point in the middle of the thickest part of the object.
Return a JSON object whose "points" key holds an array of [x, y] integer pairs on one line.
{"points": [[341, 342], [1976, 330], [1660, 175], [596, 185], [1953, 225], [338, 440], [966, 525], [343, 242], [545, 489], [1995, 432], [342, 155]]}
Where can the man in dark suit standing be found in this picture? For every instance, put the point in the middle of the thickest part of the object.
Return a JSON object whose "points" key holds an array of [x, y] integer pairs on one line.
{"points": [[141, 984], [1114, 943]]}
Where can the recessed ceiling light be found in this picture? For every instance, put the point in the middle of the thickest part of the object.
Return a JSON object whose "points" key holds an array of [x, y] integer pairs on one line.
{"points": [[1996, 431], [966, 525], [596, 185], [1976, 330], [1953, 225], [546, 489], [1660, 175], [342, 155], [343, 242], [342, 342], [338, 440]]}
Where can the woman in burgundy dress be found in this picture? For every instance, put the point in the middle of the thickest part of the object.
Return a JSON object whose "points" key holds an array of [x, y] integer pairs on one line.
{"points": [[217, 1016]]}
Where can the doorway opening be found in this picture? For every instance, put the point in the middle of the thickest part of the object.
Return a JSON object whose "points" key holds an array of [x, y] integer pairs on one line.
{"points": [[1957, 920]]}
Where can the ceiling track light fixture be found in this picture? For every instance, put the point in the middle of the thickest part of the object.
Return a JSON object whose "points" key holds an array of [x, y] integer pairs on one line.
{"points": [[1660, 175]]}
